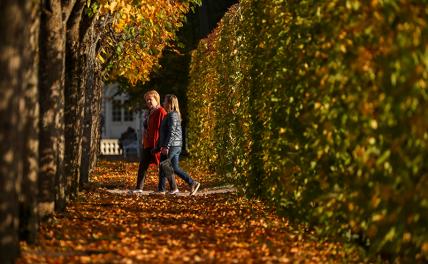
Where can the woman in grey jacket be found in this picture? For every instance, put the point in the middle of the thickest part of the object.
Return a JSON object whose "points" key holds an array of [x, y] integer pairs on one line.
{"points": [[170, 144]]}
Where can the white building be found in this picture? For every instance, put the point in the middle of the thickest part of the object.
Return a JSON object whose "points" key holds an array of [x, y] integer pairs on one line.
{"points": [[116, 120]]}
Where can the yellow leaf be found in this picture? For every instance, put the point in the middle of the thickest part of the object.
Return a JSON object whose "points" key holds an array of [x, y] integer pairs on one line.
{"points": [[101, 58]]}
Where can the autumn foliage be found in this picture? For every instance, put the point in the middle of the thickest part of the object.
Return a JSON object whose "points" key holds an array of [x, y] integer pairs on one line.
{"points": [[320, 107], [54, 57], [104, 227], [136, 34]]}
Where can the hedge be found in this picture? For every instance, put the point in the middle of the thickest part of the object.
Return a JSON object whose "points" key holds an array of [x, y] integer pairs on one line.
{"points": [[321, 107]]}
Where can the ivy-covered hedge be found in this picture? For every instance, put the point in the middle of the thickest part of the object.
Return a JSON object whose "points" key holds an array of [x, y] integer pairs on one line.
{"points": [[322, 108]]}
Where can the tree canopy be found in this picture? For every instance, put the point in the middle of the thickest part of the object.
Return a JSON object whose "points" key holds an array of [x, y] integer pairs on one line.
{"points": [[135, 33]]}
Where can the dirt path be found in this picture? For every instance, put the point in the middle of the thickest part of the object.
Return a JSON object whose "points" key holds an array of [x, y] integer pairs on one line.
{"points": [[201, 192], [109, 225]]}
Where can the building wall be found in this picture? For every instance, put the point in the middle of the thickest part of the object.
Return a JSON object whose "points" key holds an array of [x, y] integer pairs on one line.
{"points": [[114, 128]]}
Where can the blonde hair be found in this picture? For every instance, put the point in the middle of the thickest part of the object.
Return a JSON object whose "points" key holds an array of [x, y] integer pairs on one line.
{"points": [[172, 104], [154, 94]]}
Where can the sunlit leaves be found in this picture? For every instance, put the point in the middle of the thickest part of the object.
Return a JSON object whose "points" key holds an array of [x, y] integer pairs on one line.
{"points": [[136, 34], [101, 227], [335, 100]]}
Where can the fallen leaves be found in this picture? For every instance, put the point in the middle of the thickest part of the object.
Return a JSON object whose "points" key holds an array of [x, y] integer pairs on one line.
{"points": [[101, 227]]}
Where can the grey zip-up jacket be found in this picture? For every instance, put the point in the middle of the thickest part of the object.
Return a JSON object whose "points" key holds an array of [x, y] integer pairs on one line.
{"points": [[170, 134]]}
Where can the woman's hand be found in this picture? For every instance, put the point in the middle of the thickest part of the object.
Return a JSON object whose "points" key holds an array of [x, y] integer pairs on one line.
{"points": [[164, 150]]}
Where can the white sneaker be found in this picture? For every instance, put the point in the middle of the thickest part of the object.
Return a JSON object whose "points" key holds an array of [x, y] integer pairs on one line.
{"points": [[194, 188], [174, 191]]}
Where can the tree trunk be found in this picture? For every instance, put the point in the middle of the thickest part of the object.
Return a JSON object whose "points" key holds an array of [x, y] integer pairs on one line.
{"points": [[91, 125], [12, 22], [92, 106], [51, 84], [96, 122], [74, 98], [28, 223], [15, 21], [87, 123], [92, 131]]}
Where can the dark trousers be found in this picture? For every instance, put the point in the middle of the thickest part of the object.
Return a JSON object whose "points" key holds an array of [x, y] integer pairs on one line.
{"points": [[146, 158]]}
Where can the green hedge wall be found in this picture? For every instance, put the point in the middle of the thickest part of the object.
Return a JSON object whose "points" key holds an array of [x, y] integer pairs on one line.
{"points": [[321, 107]]}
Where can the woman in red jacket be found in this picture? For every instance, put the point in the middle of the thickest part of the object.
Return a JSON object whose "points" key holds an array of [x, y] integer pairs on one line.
{"points": [[151, 136]]}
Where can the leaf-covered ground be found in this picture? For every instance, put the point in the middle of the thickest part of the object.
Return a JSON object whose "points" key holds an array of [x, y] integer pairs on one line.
{"points": [[103, 227]]}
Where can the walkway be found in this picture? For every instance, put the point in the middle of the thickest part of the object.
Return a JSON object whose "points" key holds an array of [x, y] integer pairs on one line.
{"points": [[109, 225]]}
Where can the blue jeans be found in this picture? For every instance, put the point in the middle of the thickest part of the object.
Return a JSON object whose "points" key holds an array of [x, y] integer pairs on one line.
{"points": [[174, 156]]}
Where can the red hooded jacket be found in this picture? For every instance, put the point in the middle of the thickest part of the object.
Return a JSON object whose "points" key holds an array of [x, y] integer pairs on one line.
{"points": [[151, 136]]}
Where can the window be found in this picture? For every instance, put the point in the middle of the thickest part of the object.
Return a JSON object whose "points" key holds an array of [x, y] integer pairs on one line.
{"points": [[128, 115], [116, 111], [127, 112]]}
